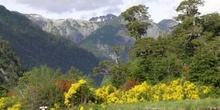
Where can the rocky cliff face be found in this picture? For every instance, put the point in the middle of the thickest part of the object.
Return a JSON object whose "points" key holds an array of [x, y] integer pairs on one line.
{"points": [[153, 30], [75, 30]]}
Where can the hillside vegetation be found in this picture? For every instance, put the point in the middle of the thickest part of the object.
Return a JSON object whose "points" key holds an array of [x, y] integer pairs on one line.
{"points": [[35, 47]]}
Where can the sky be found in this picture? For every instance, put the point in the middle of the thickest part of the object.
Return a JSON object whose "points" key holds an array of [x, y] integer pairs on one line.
{"points": [[85, 9]]}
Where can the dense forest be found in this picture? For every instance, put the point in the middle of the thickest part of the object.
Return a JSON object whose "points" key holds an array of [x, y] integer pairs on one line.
{"points": [[182, 65]]}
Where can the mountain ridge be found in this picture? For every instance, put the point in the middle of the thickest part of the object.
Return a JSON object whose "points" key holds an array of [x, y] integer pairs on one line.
{"points": [[75, 30], [81, 31], [103, 18], [36, 47]]}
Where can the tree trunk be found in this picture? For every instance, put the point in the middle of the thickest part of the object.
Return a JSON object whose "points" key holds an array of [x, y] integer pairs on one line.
{"points": [[4, 75]]}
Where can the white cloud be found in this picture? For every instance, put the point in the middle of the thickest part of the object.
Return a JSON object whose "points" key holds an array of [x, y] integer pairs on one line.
{"points": [[60, 6], [162, 9], [210, 6]]}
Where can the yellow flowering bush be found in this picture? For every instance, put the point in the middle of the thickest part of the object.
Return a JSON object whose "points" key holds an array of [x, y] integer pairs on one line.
{"points": [[81, 108], [190, 90], [103, 92], [161, 92], [115, 97], [9, 103], [16, 106], [78, 93], [2, 102], [138, 93], [175, 90]]}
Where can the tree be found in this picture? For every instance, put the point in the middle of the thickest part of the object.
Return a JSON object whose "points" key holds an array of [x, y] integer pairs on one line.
{"points": [[148, 47], [116, 73], [104, 67], [204, 66], [10, 66], [38, 87], [211, 25], [190, 28], [188, 9], [136, 18], [44, 86]]}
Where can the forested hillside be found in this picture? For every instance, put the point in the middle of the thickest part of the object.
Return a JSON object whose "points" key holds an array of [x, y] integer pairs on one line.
{"points": [[35, 47]]}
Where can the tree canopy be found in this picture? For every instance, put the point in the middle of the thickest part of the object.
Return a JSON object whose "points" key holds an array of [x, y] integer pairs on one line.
{"points": [[137, 20]]}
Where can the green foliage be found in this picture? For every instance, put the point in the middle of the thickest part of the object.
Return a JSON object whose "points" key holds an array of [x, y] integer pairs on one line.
{"points": [[148, 47], [197, 45], [188, 8], [153, 61], [73, 74], [44, 86], [211, 24], [117, 73], [37, 88], [204, 67], [10, 66], [136, 18], [190, 52], [135, 13], [138, 69], [137, 29], [3, 91]]}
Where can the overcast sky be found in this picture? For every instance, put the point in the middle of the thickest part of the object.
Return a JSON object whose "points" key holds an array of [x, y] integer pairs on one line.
{"points": [[85, 9]]}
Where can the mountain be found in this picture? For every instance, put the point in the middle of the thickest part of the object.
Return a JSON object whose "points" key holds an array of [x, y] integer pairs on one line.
{"points": [[75, 30], [167, 24], [103, 18], [112, 34], [102, 41], [36, 47], [100, 34]]}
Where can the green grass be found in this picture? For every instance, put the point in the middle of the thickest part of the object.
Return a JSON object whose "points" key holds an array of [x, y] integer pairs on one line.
{"points": [[203, 104]]}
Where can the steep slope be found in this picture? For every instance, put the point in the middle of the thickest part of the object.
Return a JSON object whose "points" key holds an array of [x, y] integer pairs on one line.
{"points": [[101, 43], [113, 33], [103, 40], [36, 47], [75, 30], [167, 25]]}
